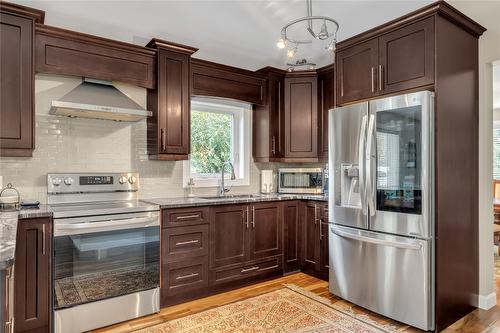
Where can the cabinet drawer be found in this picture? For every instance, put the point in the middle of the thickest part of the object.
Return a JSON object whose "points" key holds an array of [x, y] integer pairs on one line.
{"points": [[185, 216], [182, 276], [243, 271], [184, 242]]}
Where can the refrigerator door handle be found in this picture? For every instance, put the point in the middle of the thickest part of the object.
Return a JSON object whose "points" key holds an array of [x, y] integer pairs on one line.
{"points": [[410, 246], [370, 184], [361, 158]]}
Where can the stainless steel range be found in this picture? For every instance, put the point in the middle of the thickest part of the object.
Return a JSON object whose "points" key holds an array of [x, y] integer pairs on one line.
{"points": [[106, 250]]}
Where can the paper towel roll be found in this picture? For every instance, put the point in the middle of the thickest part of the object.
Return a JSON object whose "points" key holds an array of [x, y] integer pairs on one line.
{"points": [[266, 181]]}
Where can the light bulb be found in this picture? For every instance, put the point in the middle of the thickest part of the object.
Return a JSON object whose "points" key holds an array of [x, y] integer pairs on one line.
{"points": [[291, 52], [281, 43], [323, 34], [331, 47]]}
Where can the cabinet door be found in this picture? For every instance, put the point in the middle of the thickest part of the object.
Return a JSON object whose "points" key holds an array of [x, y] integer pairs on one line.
{"points": [[323, 240], [172, 96], [356, 68], [407, 57], [229, 235], [32, 275], [291, 236], [301, 118], [326, 93], [310, 236], [16, 85], [277, 96], [265, 230], [268, 122]]}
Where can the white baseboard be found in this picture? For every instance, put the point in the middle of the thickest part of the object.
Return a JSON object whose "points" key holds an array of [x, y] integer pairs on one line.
{"points": [[487, 302]]}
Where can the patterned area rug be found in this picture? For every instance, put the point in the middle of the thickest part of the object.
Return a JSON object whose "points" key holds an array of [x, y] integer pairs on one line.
{"points": [[87, 288], [284, 310]]}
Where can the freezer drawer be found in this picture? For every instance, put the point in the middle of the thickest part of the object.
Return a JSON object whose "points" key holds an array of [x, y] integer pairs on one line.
{"points": [[390, 275]]}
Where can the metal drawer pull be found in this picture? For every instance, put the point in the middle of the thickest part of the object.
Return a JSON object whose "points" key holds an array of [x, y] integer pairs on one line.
{"points": [[185, 217], [251, 269], [373, 79], [253, 217], [187, 242], [43, 239], [187, 276], [270, 267], [247, 217]]}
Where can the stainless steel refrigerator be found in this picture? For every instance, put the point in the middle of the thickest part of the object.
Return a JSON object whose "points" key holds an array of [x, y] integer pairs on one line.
{"points": [[381, 206]]}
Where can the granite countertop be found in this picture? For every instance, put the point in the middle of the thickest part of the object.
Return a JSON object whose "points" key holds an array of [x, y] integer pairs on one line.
{"points": [[9, 219], [229, 199], [8, 231]]}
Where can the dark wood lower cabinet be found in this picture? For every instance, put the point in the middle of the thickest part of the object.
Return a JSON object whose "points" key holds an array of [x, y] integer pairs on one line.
{"points": [[314, 243], [266, 230], [291, 232], [229, 235], [32, 277], [225, 247]]}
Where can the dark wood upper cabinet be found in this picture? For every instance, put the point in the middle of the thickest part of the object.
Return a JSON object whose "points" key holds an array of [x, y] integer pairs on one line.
{"points": [[32, 278], [266, 230], [229, 227], [406, 57], [66, 52], [17, 79], [400, 59], [326, 101], [269, 119], [356, 72], [216, 80], [170, 101], [301, 118]]}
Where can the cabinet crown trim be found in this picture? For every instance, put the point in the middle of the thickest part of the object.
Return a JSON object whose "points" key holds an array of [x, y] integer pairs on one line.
{"points": [[171, 46], [440, 8], [36, 14], [75, 36]]}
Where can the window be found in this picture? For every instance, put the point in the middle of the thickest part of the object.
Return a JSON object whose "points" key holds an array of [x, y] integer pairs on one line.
{"points": [[220, 132]]}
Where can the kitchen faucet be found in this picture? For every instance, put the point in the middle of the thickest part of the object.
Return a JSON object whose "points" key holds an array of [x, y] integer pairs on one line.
{"points": [[223, 189]]}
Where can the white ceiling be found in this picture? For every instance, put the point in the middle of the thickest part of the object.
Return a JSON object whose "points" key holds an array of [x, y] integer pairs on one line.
{"points": [[238, 33]]}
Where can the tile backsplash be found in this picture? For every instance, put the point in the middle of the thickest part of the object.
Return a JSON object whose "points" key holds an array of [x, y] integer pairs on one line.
{"points": [[87, 145]]}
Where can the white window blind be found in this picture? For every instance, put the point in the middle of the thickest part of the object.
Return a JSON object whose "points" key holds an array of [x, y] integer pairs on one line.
{"points": [[496, 149]]}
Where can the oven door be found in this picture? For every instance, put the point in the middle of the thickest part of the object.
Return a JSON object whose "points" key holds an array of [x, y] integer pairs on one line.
{"points": [[102, 257], [300, 180]]}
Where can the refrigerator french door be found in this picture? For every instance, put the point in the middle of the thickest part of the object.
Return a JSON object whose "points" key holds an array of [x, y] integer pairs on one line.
{"points": [[381, 199]]}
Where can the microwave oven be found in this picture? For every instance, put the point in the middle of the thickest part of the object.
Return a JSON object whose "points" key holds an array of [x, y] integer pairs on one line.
{"points": [[301, 180]]}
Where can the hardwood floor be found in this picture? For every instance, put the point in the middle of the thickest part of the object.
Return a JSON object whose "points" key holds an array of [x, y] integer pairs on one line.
{"points": [[479, 321]]}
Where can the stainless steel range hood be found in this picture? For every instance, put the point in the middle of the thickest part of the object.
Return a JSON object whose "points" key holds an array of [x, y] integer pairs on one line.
{"points": [[99, 100]]}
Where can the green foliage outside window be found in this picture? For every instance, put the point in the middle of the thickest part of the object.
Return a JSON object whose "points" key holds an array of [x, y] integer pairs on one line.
{"points": [[210, 141]]}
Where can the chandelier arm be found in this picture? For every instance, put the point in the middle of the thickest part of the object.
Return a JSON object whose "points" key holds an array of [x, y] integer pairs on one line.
{"points": [[307, 18], [309, 21]]}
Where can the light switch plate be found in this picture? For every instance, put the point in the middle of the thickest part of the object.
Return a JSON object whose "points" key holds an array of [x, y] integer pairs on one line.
{"points": [[1, 182]]}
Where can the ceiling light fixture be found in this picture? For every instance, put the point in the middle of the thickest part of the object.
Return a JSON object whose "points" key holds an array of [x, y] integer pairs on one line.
{"points": [[328, 32], [291, 52]]}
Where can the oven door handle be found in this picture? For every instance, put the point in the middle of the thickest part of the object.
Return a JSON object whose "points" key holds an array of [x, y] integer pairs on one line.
{"points": [[108, 225]]}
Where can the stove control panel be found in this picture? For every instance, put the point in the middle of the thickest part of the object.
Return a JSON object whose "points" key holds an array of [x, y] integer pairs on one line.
{"points": [[92, 182]]}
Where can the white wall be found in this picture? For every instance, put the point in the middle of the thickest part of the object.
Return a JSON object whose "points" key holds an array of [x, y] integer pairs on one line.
{"points": [[87, 145], [487, 14]]}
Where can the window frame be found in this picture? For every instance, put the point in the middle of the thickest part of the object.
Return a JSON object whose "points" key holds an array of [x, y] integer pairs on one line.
{"points": [[241, 144]]}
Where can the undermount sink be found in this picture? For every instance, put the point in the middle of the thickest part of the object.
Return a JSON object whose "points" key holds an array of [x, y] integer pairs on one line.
{"points": [[232, 196]]}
